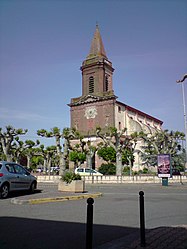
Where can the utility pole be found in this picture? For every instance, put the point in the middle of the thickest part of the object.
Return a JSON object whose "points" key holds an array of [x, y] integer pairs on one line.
{"points": [[184, 108]]}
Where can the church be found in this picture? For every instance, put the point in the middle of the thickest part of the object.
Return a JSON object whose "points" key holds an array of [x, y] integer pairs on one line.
{"points": [[98, 105]]}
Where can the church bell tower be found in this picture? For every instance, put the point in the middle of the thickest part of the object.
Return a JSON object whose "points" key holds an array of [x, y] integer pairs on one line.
{"points": [[96, 105]]}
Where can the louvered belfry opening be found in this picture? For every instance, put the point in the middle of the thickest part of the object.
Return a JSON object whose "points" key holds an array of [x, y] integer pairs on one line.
{"points": [[91, 84]]}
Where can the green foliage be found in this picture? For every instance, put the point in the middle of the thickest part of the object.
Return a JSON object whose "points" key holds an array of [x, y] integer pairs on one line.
{"points": [[178, 160], [9, 139], [126, 170], [123, 145], [36, 160], [162, 142], [73, 156], [127, 155], [145, 170], [12, 148], [82, 157], [44, 133], [69, 133], [69, 176], [76, 156], [2, 156], [107, 169], [108, 154]]}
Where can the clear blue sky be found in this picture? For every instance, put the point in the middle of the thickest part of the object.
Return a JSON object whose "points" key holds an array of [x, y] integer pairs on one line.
{"points": [[43, 44]]}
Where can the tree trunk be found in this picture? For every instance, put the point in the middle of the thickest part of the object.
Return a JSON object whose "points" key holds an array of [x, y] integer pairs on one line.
{"points": [[8, 158], [49, 166], [6, 149], [118, 164], [45, 165], [63, 157], [28, 162], [62, 165], [89, 161], [130, 166]]}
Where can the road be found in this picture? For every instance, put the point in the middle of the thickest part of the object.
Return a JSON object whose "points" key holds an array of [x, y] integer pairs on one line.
{"points": [[116, 214]]}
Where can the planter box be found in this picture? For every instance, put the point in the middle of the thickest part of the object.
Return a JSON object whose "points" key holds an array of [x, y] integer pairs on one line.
{"points": [[77, 186]]}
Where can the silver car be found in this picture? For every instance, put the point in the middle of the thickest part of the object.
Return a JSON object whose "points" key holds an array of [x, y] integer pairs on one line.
{"points": [[14, 177]]}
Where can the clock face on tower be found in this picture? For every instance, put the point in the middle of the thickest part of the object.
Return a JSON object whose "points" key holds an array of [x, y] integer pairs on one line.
{"points": [[90, 112]]}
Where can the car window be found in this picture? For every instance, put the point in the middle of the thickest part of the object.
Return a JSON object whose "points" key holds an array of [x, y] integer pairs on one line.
{"points": [[10, 168], [0, 165], [79, 170], [19, 169], [87, 170]]}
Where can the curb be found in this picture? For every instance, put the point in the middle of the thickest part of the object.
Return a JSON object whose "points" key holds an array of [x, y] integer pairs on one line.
{"points": [[55, 199]]}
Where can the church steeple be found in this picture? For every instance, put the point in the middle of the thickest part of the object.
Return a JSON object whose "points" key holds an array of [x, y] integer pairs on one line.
{"points": [[97, 70], [96, 106], [97, 47]]}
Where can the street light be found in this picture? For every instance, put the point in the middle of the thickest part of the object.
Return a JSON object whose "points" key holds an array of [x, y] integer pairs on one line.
{"points": [[184, 106]]}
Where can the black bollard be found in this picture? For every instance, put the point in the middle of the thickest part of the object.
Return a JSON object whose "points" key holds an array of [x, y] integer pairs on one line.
{"points": [[89, 225], [142, 220]]}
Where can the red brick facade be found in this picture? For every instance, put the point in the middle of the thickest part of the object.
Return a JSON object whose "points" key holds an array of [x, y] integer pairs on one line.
{"points": [[87, 116], [98, 106]]}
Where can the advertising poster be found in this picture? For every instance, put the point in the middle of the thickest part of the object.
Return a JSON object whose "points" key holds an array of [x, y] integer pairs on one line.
{"points": [[164, 165]]}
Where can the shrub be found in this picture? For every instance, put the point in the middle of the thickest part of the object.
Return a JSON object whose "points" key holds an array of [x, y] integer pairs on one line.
{"points": [[126, 170], [145, 171], [107, 169], [134, 173], [140, 171], [68, 177]]}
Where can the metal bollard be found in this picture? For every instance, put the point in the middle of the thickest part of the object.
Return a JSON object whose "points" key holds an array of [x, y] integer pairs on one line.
{"points": [[89, 225], [142, 220]]}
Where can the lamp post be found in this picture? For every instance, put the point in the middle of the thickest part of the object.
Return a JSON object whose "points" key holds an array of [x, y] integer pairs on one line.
{"points": [[185, 121]]}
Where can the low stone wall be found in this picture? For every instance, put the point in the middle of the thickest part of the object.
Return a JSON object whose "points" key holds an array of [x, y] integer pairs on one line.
{"points": [[118, 179], [133, 179], [47, 178]]}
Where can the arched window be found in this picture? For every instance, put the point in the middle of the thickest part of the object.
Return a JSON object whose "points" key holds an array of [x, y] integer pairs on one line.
{"points": [[91, 84], [106, 83]]}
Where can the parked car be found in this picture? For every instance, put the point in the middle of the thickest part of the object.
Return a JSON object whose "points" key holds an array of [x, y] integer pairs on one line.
{"points": [[39, 170], [87, 172], [54, 170], [14, 177]]}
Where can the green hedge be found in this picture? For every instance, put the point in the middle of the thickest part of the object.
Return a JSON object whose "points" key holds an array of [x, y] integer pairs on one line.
{"points": [[107, 169]]}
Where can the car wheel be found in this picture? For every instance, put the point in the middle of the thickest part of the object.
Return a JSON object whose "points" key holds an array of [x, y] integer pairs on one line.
{"points": [[4, 191], [32, 187]]}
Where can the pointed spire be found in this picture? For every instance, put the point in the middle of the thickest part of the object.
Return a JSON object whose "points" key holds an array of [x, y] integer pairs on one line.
{"points": [[97, 47]]}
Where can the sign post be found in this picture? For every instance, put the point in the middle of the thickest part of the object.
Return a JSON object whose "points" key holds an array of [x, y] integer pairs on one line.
{"points": [[164, 168]]}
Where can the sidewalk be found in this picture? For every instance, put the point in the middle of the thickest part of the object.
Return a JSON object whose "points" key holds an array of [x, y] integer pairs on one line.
{"points": [[174, 237], [158, 238]]}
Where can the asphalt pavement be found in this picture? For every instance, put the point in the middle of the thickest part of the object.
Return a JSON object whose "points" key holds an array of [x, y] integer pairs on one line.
{"points": [[161, 237]]}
